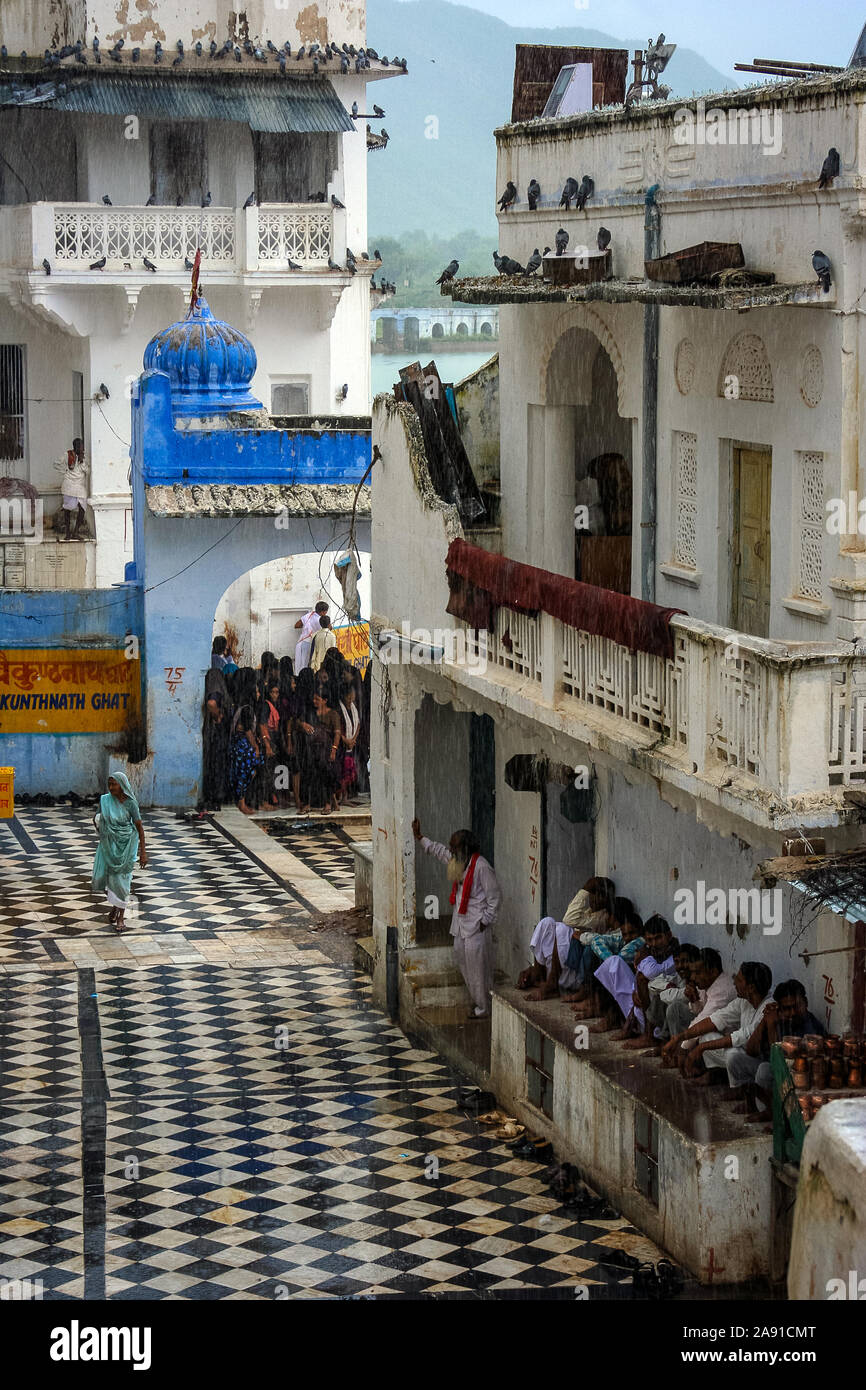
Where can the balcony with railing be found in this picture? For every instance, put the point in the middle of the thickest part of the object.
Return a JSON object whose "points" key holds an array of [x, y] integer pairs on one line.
{"points": [[784, 719], [73, 237], [776, 730]]}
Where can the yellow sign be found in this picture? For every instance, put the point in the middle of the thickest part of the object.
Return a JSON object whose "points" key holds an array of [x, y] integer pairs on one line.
{"points": [[7, 792], [354, 643], [54, 691]]}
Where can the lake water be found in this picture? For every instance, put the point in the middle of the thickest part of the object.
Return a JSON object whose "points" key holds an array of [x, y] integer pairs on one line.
{"points": [[452, 366]]}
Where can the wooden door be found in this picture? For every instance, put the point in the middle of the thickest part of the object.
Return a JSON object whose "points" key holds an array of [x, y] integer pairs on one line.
{"points": [[750, 592]]}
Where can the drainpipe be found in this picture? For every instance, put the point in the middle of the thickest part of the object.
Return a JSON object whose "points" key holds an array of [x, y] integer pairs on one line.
{"points": [[652, 249]]}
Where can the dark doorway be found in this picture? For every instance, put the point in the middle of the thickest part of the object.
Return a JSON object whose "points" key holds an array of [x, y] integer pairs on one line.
{"points": [[482, 781], [178, 162], [290, 168]]}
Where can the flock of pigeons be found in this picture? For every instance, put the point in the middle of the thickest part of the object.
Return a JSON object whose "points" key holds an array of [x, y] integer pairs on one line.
{"points": [[505, 265], [580, 193], [351, 263], [346, 54], [572, 192]]}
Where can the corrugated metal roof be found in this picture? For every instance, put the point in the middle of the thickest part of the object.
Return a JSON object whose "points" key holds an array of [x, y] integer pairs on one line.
{"points": [[279, 105]]}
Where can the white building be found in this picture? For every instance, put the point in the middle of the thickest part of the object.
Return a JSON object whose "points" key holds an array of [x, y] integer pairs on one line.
{"points": [[707, 430], [159, 138]]}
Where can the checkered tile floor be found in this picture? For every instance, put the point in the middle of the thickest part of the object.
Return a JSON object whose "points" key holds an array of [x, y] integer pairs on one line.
{"points": [[196, 883], [267, 1134], [327, 849]]}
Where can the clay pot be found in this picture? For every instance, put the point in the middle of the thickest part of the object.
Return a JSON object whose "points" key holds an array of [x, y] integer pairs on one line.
{"points": [[851, 1047], [814, 1045], [855, 1074], [836, 1079], [792, 1046], [833, 1045], [819, 1073]]}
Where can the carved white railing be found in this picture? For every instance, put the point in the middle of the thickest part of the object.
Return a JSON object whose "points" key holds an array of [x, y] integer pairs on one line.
{"points": [[301, 234], [847, 753], [648, 691], [790, 718], [515, 645], [72, 236], [166, 236]]}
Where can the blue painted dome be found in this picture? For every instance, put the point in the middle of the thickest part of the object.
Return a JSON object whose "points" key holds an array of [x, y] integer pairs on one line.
{"points": [[210, 364]]}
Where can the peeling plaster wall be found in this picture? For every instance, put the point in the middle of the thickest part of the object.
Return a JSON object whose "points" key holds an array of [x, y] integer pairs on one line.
{"points": [[36, 26], [829, 1236], [477, 400]]}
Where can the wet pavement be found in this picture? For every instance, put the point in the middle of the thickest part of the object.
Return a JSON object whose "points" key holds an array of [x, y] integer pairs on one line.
{"points": [[209, 1107]]}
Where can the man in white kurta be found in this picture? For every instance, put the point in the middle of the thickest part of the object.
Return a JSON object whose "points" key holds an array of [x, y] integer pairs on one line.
{"points": [[309, 626], [725, 1035], [475, 896]]}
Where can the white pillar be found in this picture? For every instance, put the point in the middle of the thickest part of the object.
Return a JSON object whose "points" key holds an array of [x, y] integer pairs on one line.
{"points": [[558, 553]]}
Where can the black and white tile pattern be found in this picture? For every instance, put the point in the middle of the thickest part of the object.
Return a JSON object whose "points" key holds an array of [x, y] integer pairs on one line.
{"points": [[197, 883], [259, 1132]]}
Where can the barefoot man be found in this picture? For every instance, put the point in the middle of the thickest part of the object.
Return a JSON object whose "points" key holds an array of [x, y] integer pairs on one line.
{"points": [[475, 898]]}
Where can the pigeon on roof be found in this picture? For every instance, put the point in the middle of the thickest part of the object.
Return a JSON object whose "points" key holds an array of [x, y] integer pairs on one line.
{"points": [[449, 272]]}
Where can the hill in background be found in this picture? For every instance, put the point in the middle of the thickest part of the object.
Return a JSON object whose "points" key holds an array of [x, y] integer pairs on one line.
{"points": [[461, 72]]}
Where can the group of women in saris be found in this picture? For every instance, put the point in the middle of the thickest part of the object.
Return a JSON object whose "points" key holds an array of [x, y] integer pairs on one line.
{"points": [[269, 736]]}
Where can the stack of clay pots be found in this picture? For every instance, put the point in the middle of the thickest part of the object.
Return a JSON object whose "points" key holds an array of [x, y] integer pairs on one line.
{"points": [[819, 1064]]}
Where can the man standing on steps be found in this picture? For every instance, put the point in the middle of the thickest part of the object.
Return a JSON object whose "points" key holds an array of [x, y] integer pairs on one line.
{"points": [[475, 898]]}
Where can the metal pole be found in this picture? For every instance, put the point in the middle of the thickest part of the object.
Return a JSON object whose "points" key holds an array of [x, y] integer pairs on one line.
{"points": [[652, 249]]}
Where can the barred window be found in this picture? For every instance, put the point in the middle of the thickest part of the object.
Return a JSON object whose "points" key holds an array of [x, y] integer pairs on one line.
{"points": [[685, 499], [13, 418]]}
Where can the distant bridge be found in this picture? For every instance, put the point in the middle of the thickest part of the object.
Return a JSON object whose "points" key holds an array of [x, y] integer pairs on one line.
{"points": [[403, 326]]}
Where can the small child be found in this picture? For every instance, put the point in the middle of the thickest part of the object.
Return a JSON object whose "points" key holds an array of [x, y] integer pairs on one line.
{"points": [[73, 485]]}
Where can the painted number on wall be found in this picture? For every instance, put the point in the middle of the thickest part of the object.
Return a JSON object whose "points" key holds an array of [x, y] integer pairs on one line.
{"points": [[829, 996], [533, 861], [173, 677]]}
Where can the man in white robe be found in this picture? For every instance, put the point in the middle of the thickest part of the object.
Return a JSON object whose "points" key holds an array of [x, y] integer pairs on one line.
{"points": [[475, 897], [309, 626]]}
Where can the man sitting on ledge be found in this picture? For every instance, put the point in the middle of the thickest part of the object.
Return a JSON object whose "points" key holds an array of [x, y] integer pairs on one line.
{"points": [[713, 988], [559, 964], [630, 988], [787, 1016], [729, 1038]]}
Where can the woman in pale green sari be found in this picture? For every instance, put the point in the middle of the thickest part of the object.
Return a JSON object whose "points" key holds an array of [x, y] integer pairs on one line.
{"points": [[121, 842]]}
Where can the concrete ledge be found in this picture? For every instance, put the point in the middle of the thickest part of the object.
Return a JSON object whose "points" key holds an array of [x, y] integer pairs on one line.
{"points": [[714, 1188], [280, 862]]}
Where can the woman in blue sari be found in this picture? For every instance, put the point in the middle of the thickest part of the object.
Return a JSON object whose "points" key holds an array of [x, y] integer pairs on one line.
{"points": [[121, 842]]}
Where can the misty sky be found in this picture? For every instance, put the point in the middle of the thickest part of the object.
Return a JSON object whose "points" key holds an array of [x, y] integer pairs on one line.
{"points": [[735, 31]]}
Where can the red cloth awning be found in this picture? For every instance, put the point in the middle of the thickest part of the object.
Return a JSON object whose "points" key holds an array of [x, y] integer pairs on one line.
{"points": [[481, 582]]}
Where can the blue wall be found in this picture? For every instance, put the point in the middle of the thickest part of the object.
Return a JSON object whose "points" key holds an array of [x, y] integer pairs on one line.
{"points": [[337, 453], [65, 619]]}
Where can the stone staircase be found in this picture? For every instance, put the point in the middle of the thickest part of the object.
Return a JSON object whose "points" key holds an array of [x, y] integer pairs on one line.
{"points": [[434, 979]]}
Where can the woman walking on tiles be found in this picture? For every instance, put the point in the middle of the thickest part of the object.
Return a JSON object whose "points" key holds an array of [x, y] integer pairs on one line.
{"points": [[121, 841]]}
